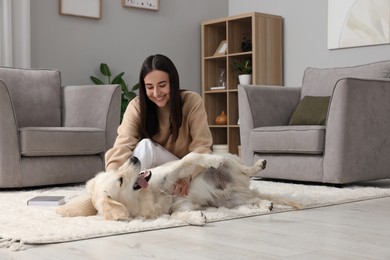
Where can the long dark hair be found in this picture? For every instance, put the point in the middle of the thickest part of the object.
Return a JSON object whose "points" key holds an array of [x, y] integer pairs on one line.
{"points": [[149, 118]]}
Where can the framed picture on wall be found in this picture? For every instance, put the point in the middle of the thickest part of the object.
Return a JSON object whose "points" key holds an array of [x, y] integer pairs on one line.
{"points": [[355, 23], [81, 8], [144, 4]]}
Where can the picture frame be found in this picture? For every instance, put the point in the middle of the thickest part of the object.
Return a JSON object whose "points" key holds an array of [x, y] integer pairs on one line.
{"points": [[153, 5], [355, 23], [81, 8], [222, 49]]}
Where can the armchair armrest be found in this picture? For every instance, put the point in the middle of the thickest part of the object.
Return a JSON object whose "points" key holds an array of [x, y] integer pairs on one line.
{"points": [[357, 142], [10, 172], [263, 106], [92, 106]]}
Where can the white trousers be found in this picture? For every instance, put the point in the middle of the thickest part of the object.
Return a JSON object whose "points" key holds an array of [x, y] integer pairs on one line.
{"points": [[151, 154]]}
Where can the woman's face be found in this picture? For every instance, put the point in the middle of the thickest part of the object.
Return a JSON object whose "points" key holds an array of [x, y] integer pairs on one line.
{"points": [[157, 87]]}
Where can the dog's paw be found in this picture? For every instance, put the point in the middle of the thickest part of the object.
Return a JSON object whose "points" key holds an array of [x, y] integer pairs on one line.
{"points": [[261, 164], [196, 218], [265, 205]]}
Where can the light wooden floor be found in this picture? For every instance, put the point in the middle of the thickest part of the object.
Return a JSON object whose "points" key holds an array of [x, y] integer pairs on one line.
{"points": [[359, 230]]}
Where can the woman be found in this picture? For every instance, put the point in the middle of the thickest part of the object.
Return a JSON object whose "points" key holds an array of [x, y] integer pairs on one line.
{"points": [[163, 124]]}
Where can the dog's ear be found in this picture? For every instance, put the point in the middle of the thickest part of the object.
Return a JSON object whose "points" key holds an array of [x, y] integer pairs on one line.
{"points": [[80, 206], [113, 210]]}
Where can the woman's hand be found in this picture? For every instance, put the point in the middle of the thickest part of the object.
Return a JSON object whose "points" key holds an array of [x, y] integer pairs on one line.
{"points": [[182, 186]]}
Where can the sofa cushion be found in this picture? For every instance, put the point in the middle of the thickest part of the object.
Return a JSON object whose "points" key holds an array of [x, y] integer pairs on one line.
{"points": [[36, 95], [302, 139], [320, 82], [310, 111], [54, 141]]}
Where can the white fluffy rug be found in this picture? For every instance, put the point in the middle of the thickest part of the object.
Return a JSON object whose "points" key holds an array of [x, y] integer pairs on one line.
{"points": [[23, 226]]}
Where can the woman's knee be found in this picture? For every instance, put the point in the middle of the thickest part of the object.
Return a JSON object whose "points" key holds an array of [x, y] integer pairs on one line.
{"points": [[144, 151], [145, 143]]}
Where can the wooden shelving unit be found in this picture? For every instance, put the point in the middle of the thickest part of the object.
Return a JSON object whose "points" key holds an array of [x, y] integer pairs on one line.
{"points": [[266, 35]]}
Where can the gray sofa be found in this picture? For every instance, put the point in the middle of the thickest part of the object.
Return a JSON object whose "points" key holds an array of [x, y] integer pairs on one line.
{"points": [[354, 143], [52, 134]]}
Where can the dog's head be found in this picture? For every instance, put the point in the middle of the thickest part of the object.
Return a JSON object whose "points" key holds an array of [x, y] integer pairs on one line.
{"points": [[114, 193]]}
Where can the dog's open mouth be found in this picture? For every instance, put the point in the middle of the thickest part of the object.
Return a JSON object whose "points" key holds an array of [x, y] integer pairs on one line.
{"points": [[142, 180]]}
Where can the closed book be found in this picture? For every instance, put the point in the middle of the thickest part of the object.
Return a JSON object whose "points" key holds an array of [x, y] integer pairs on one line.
{"points": [[218, 87], [46, 201]]}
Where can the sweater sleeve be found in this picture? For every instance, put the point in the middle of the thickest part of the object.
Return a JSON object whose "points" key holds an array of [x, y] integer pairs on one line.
{"points": [[127, 138], [199, 128]]}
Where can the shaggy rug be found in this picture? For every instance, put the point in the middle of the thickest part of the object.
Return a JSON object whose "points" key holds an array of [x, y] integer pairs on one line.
{"points": [[23, 226]]}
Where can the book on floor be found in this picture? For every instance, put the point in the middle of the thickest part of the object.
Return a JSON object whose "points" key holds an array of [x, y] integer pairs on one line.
{"points": [[46, 201]]}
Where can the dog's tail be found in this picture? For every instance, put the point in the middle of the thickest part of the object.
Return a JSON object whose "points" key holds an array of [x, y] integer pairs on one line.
{"points": [[77, 207]]}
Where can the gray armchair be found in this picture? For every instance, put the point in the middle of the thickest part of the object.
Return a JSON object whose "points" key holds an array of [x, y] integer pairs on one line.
{"points": [[352, 146], [50, 134]]}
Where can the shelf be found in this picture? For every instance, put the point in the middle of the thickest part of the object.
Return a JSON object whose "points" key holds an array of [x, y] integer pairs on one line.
{"points": [[263, 46]]}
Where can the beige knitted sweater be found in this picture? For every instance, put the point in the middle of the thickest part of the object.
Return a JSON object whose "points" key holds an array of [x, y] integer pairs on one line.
{"points": [[194, 134]]}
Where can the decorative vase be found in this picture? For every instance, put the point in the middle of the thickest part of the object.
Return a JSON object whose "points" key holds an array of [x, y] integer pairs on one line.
{"points": [[245, 79], [221, 119], [246, 44]]}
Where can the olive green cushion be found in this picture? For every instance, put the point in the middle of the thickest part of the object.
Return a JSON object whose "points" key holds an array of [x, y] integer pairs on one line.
{"points": [[311, 110]]}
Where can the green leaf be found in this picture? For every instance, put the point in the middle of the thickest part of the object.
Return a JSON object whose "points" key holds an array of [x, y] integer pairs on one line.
{"points": [[131, 95], [135, 87], [243, 67], [123, 86], [117, 78], [124, 102], [96, 80], [126, 95], [105, 70]]}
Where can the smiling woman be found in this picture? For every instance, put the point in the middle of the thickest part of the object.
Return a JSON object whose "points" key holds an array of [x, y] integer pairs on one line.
{"points": [[163, 123], [157, 87]]}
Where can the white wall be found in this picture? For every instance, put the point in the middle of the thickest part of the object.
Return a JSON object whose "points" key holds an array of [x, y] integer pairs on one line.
{"points": [[15, 33], [123, 38], [21, 34], [305, 36]]}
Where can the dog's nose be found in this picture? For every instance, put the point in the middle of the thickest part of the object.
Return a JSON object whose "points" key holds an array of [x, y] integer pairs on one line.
{"points": [[134, 160]]}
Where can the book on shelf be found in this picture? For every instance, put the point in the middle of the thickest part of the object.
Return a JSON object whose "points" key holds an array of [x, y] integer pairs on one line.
{"points": [[218, 87], [46, 201]]}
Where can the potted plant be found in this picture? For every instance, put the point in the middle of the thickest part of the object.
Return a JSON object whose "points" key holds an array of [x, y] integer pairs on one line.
{"points": [[244, 70], [127, 95]]}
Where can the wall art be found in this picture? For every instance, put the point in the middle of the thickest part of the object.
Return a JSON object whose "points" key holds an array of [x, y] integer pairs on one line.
{"points": [[353, 23], [144, 4], [81, 8]]}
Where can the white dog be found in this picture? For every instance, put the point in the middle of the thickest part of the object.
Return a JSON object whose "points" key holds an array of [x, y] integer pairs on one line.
{"points": [[128, 193]]}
